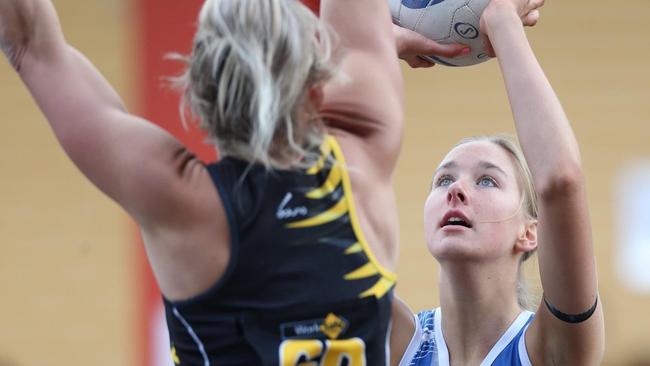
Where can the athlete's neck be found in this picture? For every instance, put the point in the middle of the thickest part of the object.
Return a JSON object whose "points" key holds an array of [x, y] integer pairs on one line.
{"points": [[479, 302]]}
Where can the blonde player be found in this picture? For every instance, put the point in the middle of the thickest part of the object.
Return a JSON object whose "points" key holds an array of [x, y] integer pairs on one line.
{"points": [[266, 257]]}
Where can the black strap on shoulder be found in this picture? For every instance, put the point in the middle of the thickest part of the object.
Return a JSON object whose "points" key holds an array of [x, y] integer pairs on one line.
{"points": [[571, 318]]}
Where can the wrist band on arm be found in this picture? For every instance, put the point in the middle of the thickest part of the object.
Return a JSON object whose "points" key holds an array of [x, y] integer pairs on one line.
{"points": [[571, 318]]}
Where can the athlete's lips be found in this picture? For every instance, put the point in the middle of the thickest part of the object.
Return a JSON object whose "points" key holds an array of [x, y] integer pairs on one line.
{"points": [[456, 218]]}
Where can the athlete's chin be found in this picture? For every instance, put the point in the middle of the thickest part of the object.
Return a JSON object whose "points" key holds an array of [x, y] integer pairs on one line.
{"points": [[453, 249], [458, 256]]}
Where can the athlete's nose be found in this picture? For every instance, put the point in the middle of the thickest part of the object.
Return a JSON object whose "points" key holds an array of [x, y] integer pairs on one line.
{"points": [[456, 193]]}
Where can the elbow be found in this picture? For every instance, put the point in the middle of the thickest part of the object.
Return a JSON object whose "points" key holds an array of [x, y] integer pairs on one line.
{"points": [[564, 181]]}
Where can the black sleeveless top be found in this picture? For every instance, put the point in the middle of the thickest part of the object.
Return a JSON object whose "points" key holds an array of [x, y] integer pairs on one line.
{"points": [[302, 284]]}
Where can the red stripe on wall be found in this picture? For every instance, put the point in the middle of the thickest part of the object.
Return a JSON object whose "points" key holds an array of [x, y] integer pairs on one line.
{"points": [[161, 27], [166, 26], [313, 5]]}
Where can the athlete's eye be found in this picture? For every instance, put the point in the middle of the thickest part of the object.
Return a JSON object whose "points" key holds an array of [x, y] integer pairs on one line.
{"points": [[444, 181], [487, 181]]}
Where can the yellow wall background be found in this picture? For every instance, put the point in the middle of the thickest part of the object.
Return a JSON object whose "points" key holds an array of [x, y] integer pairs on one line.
{"points": [[66, 272], [67, 292]]}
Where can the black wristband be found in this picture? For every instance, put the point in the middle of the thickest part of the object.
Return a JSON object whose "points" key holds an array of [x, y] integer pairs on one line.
{"points": [[571, 318]]}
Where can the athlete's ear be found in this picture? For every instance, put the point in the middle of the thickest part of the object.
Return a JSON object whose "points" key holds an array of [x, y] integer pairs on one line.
{"points": [[527, 240], [316, 96]]}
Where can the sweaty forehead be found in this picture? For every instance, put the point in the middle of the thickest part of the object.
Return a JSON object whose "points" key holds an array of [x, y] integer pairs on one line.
{"points": [[476, 154]]}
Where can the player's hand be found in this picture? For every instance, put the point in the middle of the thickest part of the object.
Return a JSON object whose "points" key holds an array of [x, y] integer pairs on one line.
{"points": [[411, 45], [527, 10]]}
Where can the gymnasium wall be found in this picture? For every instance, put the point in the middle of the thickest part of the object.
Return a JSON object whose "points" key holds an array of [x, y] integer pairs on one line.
{"points": [[66, 263], [72, 285]]}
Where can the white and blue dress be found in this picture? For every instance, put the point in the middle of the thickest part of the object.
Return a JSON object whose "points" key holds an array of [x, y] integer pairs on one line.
{"points": [[428, 347]]}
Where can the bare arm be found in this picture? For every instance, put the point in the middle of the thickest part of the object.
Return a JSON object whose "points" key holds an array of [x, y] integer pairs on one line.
{"points": [[369, 105], [123, 155], [566, 254], [402, 330]]}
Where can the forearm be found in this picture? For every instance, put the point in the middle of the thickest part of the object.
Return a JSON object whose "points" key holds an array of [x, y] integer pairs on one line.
{"points": [[361, 24], [542, 126], [29, 28], [32, 39], [553, 157]]}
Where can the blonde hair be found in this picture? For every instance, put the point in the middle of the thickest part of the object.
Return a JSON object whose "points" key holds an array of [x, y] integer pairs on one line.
{"points": [[529, 199], [248, 77]]}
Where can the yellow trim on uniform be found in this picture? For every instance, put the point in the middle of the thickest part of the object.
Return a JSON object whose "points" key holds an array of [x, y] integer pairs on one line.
{"points": [[379, 289], [365, 271], [175, 359], [336, 211], [333, 180], [388, 276], [325, 150], [354, 248]]}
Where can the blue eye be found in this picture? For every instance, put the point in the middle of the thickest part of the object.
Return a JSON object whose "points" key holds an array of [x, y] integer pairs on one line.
{"points": [[487, 182], [444, 181]]}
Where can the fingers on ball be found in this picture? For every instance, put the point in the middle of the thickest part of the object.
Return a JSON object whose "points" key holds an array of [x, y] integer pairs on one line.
{"points": [[532, 18]]}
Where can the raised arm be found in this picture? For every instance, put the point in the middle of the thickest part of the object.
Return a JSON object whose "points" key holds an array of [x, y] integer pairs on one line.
{"points": [[566, 254], [123, 155], [369, 104]]}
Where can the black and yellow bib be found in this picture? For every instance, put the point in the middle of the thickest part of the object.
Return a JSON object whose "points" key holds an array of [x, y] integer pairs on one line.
{"points": [[302, 286]]}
